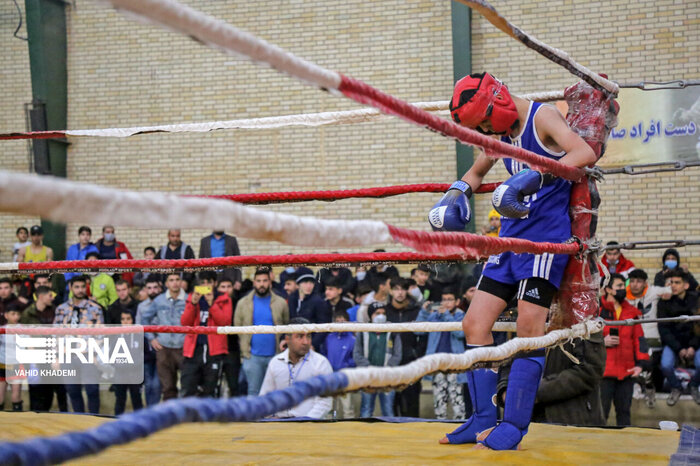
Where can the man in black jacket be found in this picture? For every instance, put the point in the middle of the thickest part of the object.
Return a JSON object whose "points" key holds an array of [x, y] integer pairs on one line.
{"points": [[678, 338], [671, 261], [309, 305], [219, 244], [124, 303], [402, 308], [569, 393]]}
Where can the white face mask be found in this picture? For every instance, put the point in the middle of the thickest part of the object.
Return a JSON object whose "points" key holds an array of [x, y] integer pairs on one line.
{"points": [[379, 318], [109, 237], [361, 275]]}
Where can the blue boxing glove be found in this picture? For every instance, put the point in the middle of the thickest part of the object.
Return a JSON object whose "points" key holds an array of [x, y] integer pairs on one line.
{"points": [[508, 197], [452, 212]]}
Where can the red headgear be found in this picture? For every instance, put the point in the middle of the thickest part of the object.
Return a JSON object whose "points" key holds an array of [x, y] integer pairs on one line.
{"points": [[479, 97]]}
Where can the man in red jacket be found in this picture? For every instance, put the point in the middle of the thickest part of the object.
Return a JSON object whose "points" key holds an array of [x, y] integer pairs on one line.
{"points": [[204, 354], [616, 262], [110, 248], [626, 351]]}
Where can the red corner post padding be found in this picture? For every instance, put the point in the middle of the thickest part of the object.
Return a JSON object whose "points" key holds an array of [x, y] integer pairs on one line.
{"points": [[592, 115]]}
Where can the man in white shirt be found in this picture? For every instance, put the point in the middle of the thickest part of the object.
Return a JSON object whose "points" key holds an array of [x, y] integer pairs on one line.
{"points": [[298, 362]]}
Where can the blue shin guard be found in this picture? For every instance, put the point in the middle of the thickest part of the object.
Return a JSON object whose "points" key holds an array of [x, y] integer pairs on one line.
{"points": [[523, 381], [482, 389]]}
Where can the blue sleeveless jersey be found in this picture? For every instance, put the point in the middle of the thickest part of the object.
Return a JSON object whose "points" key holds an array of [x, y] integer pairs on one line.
{"points": [[548, 219]]}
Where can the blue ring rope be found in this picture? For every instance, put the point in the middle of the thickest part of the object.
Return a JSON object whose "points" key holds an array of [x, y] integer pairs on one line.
{"points": [[140, 424]]}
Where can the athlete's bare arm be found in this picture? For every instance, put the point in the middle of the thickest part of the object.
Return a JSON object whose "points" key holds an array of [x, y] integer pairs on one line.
{"points": [[475, 175], [557, 136]]}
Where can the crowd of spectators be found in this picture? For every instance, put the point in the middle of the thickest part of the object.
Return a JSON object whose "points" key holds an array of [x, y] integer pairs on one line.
{"points": [[621, 363]]}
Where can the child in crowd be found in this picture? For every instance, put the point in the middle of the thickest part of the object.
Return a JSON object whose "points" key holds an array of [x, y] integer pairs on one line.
{"points": [[363, 290], [446, 386], [12, 315], [339, 348], [134, 390], [377, 349], [22, 241], [493, 227]]}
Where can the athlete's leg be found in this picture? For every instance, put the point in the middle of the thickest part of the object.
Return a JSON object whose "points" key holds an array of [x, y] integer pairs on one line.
{"points": [[526, 371], [482, 314], [489, 302]]}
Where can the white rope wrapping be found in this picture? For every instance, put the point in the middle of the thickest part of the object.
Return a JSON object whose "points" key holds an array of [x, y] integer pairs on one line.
{"points": [[357, 327], [345, 117], [9, 266], [495, 18], [68, 201], [385, 377], [223, 36]]}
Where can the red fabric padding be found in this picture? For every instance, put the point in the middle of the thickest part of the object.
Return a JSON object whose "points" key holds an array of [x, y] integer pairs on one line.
{"points": [[34, 135], [474, 245], [592, 115], [333, 195], [366, 94]]}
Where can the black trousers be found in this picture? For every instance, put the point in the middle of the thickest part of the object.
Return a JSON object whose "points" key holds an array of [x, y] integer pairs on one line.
{"points": [[201, 373], [620, 393], [41, 397], [231, 372], [407, 401], [120, 392]]}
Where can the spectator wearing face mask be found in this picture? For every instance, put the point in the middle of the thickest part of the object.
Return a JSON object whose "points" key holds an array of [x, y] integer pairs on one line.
{"points": [[379, 350], [616, 262], [626, 351], [671, 261], [110, 248]]}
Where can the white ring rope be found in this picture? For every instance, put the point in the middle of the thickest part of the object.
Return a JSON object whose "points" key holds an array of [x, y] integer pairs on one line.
{"points": [[344, 117], [357, 327], [495, 18], [68, 201], [221, 35], [386, 377]]}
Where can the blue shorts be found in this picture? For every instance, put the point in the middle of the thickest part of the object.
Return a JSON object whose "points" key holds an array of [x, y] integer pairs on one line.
{"points": [[510, 268]]}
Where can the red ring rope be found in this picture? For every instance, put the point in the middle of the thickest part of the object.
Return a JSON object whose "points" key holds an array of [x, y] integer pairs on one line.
{"points": [[364, 93], [480, 246], [460, 247], [128, 265], [299, 196]]}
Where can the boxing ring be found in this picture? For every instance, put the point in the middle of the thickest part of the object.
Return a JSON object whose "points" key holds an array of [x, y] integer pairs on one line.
{"points": [[164, 432], [351, 442]]}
